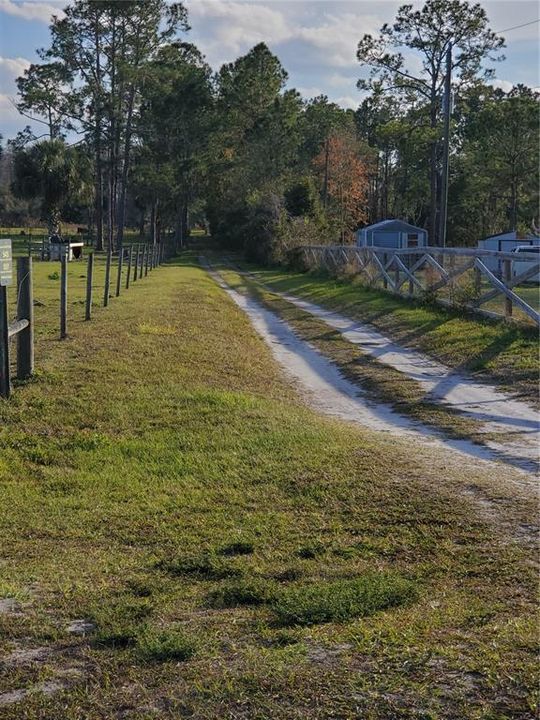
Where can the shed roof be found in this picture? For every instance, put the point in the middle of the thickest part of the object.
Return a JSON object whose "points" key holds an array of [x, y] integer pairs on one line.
{"points": [[392, 225], [508, 235]]}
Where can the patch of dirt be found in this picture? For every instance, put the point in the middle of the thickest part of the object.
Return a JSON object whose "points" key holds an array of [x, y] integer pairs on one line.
{"points": [[10, 606], [81, 627]]}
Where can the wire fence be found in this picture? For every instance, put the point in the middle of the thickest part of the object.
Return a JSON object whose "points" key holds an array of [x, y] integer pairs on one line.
{"points": [[92, 279]]}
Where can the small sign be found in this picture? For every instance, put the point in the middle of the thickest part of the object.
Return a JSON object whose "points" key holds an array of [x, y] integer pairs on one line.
{"points": [[6, 262]]}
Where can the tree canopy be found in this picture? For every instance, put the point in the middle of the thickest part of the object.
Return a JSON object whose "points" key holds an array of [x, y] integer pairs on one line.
{"points": [[131, 108]]}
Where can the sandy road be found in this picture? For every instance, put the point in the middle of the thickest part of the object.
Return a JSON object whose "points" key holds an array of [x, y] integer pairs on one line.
{"points": [[329, 392]]}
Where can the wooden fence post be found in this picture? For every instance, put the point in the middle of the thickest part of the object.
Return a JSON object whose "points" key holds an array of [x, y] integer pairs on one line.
{"points": [[107, 277], [507, 278], [136, 268], [396, 279], [89, 282], [147, 259], [477, 282], [5, 384], [130, 262], [119, 271], [25, 311], [141, 268], [385, 281], [63, 296]]}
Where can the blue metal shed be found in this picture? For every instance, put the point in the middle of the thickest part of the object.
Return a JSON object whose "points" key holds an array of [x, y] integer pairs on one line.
{"points": [[392, 234]]}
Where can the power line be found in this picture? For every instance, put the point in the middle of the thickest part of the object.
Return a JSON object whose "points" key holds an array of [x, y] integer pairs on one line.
{"points": [[515, 27]]}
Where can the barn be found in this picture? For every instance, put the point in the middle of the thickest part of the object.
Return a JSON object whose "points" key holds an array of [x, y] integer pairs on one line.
{"points": [[392, 234]]}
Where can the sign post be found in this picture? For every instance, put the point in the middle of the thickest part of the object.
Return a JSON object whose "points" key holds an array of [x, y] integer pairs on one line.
{"points": [[6, 263], [6, 278]]}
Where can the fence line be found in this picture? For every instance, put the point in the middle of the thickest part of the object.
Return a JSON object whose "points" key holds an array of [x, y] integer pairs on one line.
{"points": [[458, 277], [23, 327]]}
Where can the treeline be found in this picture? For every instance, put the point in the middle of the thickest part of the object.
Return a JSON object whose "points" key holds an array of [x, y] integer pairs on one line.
{"points": [[140, 131]]}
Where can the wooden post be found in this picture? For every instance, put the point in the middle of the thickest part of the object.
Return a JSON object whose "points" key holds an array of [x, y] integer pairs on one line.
{"points": [[25, 311], [507, 278], [119, 271], [136, 268], [107, 287], [385, 281], [89, 282], [477, 282], [396, 279], [452, 283], [147, 259], [63, 296], [5, 384], [141, 268], [130, 262]]}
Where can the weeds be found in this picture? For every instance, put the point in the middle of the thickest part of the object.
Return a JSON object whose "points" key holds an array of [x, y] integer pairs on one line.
{"points": [[164, 646], [242, 592], [341, 600]]}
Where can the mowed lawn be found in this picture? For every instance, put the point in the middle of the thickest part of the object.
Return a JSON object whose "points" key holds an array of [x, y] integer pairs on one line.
{"points": [[182, 537]]}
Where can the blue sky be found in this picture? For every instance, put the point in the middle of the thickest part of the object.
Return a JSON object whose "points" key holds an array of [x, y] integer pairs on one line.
{"points": [[315, 41]]}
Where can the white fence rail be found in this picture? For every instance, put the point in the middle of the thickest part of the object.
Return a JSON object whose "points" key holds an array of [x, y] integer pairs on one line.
{"points": [[496, 284]]}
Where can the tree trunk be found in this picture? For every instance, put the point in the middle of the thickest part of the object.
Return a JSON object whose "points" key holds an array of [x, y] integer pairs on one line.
{"points": [[142, 222], [97, 145], [125, 171], [325, 184], [153, 222]]}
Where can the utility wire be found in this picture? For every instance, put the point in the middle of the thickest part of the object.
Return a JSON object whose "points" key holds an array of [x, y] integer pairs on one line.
{"points": [[515, 27]]}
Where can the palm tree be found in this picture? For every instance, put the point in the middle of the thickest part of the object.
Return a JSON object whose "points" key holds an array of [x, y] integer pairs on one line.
{"points": [[56, 173]]}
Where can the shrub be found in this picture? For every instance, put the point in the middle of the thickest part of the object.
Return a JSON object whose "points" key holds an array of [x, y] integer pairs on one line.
{"points": [[341, 600]]}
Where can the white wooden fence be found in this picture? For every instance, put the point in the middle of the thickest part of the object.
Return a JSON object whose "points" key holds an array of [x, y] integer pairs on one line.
{"points": [[452, 276]]}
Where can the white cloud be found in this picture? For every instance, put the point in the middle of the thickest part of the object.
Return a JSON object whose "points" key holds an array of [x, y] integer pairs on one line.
{"points": [[348, 102], [309, 92], [225, 29], [504, 85], [32, 10], [11, 118], [230, 28], [11, 68], [338, 80], [338, 34]]}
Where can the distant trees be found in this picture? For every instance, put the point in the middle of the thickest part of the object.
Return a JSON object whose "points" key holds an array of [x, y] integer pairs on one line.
{"points": [[439, 26], [159, 136], [53, 174], [343, 176]]}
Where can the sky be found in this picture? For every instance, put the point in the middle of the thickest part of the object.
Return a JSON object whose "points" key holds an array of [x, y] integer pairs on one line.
{"points": [[315, 40]]}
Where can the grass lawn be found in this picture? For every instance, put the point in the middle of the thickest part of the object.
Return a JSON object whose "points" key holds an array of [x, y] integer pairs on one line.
{"points": [[182, 537], [496, 351]]}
